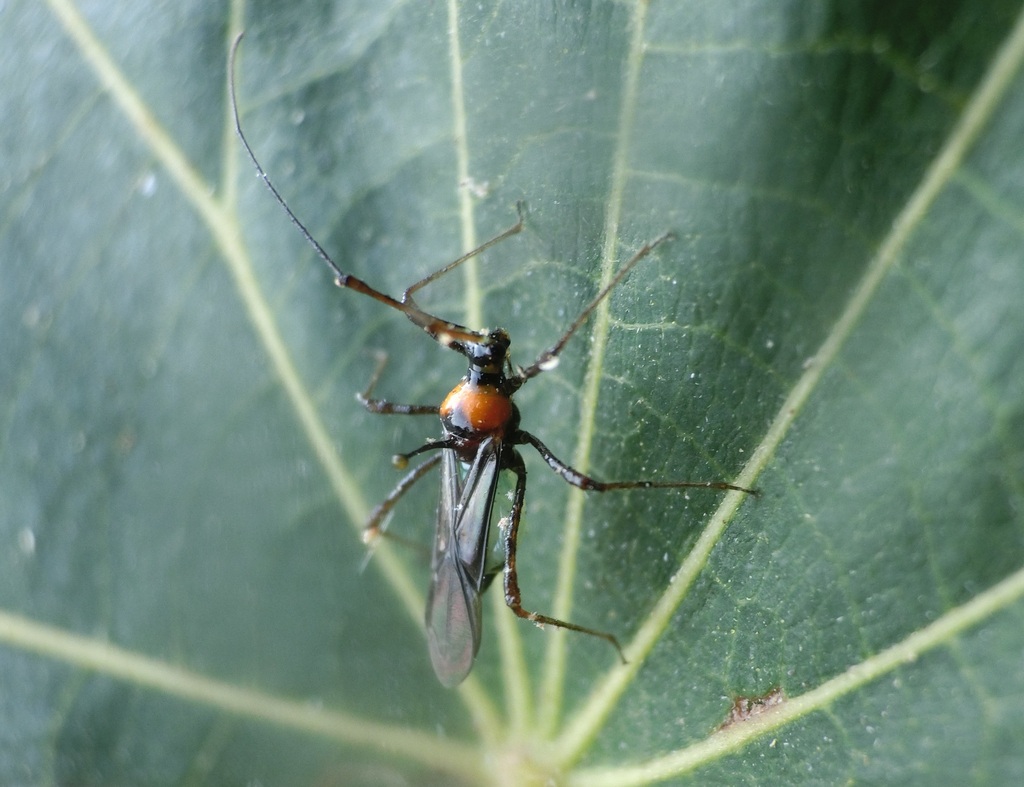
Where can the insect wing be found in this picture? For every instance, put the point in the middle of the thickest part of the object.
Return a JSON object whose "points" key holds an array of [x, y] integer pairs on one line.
{"points": [[459, 562]]}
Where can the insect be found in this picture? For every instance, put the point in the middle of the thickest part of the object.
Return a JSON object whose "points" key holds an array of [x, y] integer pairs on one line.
{"points": [[480, 432]]}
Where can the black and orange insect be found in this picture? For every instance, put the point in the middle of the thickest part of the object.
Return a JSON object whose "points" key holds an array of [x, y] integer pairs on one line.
{"points": [[480, 432]]}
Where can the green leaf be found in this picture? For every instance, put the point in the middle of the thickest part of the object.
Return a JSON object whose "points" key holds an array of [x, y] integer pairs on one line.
{"points": [[184, 472]]}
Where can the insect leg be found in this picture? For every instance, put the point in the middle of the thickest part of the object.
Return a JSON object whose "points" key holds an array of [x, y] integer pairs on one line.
{"points": [[513, 596], [374, 529], [580, 480], [402, 460], [549, 358], [383, 406]]}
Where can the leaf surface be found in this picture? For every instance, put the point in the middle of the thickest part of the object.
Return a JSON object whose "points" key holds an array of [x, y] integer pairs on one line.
{"points": [[184, 472]]}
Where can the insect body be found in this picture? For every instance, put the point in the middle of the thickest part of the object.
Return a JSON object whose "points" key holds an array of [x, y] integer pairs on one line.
{"points": [[480, 434]]}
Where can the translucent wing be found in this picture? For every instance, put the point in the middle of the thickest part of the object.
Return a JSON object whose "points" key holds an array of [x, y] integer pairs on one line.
{"points": [[459, 563]]}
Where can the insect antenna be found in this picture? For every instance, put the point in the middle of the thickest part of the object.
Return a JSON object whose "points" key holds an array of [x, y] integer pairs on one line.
{"points": [[549, 358], [338, 272], [449, 334]]}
